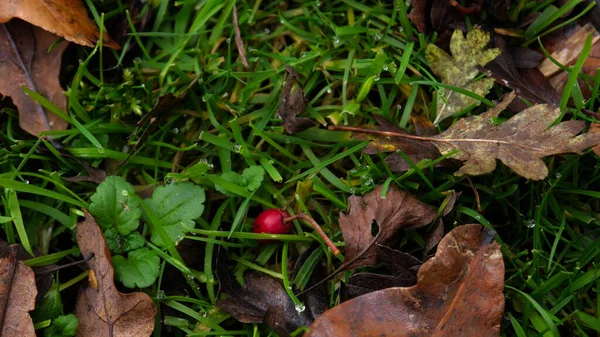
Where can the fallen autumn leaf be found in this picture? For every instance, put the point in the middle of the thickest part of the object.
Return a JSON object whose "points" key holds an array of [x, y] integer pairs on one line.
{"points": [[66, 18], [459, 292], [17, 297], [396, 211], [103, 310]]}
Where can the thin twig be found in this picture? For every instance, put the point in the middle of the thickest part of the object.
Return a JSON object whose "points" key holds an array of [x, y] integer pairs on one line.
{"points": [[238, 39], [477, 200], [316, 226]]}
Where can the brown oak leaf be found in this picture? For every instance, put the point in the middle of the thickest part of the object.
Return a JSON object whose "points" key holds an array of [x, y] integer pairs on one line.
{"points": [[520, 143], [101, 309], [396, 211], [459, 292], [17, 297]]}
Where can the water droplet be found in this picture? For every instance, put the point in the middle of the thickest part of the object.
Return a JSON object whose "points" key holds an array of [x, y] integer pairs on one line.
{"points": [[530, 223], [169, 180], [101, 150], [353, 171], [267, 31], [124, 193], [401, 29], [318, 3], [490, 121], [352, 190], [377, 36], [488, 73], [366, 180], [376, 79], [385, 67], [281, 21], [558, 175], [329, 91], [175, 130], [300, 307], [441, 92], [203, 98], [189, 276], [160, 294], [237, 148], [336, 40], [26, 181], [228, 40], [399, 106]]}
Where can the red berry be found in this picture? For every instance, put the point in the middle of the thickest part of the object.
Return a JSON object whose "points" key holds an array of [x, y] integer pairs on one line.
{"points": [[271, 221]]}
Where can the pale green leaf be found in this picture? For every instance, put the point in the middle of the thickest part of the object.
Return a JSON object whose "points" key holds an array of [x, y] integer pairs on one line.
{"points": [[176, 206], [62, 326], [253, 176], [233, 178], [113, 205], [140, 268]]}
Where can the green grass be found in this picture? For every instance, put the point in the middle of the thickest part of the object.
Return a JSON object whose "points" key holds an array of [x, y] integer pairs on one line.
{"points": [[356, 60]]}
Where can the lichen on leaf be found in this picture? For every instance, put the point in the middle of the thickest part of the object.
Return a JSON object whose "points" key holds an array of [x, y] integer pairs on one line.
{"points": [[460, 70]]}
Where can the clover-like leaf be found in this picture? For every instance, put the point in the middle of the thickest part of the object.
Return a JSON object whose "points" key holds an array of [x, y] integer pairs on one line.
{"points": [[139, 269], [460, 70], [233, 178], [114, 205], [176, 206], [62, 326], [254, 176]]}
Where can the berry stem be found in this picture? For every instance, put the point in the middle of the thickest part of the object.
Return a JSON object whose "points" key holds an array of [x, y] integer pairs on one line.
{"points": [[316, 226]]}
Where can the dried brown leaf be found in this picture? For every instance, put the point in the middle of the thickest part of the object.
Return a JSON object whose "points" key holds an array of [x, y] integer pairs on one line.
{"points": [[25, 61], [66, 18], [103, 310], [459, 292], [17, 298], [520, 143], [396, 211]]}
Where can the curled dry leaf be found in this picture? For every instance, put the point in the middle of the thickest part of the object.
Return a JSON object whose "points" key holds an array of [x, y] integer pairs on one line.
{"points": [[292, 103], [458, 293], [104, 311], [396, 211], [17, 298], [25, 61], [66, 18]]}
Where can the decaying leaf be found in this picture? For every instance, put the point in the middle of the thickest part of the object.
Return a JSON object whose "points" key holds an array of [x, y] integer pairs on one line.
{"points": [[25, 61], [66, 18], [460, 70], [458, 293], [105, 311], [292, 103], [373, 219], [402, 268], [262, 299], [238, 39], [520, 143], [17, 297]]}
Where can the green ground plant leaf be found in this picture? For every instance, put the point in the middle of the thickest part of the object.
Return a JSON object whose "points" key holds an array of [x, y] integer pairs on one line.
{"points": [[233, 178], [176, 205], [120, 244], [113, 205], [62, 326], [460, 70], [253, 176], [139, 269]]}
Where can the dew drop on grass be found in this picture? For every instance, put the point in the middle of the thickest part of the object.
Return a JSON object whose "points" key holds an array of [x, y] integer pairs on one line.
{"points": [[490, 121], [300, 307], [228, 40], [401, 29], [124, 193], [530, 223], [558, 175], [488, 73], [26, 181], [189, 276], [399, 106], [160, 294], [329, 91], [336, 40], [237, 148], [385, 67], [267, 31], [376, 79], [175, 130]]}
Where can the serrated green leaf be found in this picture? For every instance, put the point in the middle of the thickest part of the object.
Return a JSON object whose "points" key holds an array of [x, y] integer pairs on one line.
{"points": [[176, 205], [120, 244], [140, 268], [254, 176], [114, 207], [62, 326], [460, 69], [233, 178]]}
